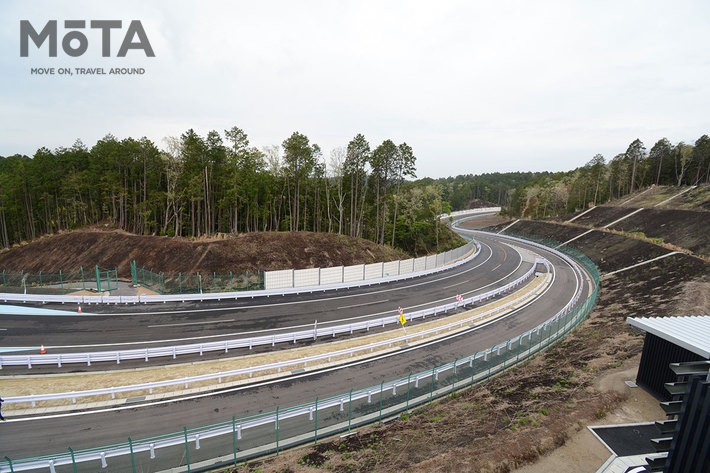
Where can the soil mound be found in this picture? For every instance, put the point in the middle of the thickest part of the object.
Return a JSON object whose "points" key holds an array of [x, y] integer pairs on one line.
{"points": [[263, 251]]}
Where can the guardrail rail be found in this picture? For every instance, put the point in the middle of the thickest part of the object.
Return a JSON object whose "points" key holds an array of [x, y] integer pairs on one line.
{"points": [[236, 440]]}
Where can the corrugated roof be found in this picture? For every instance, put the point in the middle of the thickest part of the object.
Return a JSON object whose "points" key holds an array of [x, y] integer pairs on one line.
{"points": [[691, 333]]}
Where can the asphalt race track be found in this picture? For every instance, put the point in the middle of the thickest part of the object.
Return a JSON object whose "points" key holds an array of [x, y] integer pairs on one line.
{"points": [[497, 264], [141, 325]]}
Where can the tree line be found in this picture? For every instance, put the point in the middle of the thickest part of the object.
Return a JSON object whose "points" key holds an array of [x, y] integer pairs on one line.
{"points": [[599, 180], [196, 186]]}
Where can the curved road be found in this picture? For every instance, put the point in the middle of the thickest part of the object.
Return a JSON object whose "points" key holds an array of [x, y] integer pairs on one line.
{"points": [[139, 326], [28, 437]]}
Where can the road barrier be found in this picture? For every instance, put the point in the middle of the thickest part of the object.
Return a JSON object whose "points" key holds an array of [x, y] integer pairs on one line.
{"points": [[180, 286], [455, 258], [146, 354], [309, 335], [236, 440], [391, 270]]}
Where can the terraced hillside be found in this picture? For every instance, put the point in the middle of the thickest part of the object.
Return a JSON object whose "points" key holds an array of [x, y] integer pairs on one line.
{"points": [[531, 410]]}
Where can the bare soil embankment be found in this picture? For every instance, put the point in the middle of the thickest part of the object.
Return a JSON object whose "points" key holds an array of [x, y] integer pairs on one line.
{"points": [[263, 251], [530, 411]]}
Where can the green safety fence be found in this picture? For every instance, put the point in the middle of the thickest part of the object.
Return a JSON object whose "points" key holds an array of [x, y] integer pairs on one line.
{"points": [[570, 251], [196, 283], [237, 440], [61, 282]]}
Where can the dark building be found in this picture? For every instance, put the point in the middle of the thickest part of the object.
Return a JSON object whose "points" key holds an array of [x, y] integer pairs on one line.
{"points": [[675, 367]]}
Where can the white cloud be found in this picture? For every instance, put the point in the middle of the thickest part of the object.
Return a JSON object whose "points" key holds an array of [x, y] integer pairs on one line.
{"points": [[472, 86]]}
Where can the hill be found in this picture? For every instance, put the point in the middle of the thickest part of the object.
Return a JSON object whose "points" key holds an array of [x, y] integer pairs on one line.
{"points": [[262, 251]]}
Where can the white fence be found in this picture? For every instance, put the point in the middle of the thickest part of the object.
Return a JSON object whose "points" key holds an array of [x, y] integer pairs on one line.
{"points": [[463, 213], [146, 354], [299, 278], [291, 281], [284, 282]]}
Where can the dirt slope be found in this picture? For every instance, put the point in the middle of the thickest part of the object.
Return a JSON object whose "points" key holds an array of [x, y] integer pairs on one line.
{"points": [[529, 411], [245, 252]]}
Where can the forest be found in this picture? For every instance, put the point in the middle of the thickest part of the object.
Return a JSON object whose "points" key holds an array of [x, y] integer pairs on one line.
{"points": [[600, 181], [200, 186]]}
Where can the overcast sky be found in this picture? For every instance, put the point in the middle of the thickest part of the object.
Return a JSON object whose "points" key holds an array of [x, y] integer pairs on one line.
{"points": [[472, 86]]}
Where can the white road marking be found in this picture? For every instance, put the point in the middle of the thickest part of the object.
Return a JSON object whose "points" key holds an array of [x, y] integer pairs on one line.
{"points": [[457, 284], [363, 304], [287, 378], [192, 323], [256, 332]]}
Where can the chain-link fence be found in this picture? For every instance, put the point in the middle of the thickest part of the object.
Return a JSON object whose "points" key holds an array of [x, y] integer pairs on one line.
{"points": [[61, 282], [196, 283]]}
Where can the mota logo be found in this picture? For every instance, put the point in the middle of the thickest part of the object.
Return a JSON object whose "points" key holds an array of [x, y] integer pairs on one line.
{"points": [[75, 42]]}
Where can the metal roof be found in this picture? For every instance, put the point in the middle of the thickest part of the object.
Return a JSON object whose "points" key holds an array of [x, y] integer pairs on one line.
{"points": [[691, 332]]}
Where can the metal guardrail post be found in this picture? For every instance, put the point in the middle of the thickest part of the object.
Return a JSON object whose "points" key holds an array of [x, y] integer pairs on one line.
{"points": [[133, 457], [350, 409], [187, 451], [315, 437], [73, 460], [277, 430], [234, 439], [12, 469], [409, 386], [473, 367], [134, 273], [382, 384], [98, 280]]}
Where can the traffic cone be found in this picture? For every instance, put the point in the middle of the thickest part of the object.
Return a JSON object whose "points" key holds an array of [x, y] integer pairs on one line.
{"points": [[79, 311], [42, 351]]}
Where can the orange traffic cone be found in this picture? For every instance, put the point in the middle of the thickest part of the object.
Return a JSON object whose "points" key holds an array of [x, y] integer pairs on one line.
{"points": [[79, 311], [42, 351]]}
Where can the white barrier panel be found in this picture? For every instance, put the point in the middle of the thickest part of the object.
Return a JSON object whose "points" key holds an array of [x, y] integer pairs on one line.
{"points": [[306, 277], [353, 273], [431, 262], [278, 279], [406, 266], [459, 213], [419, 264], [373, 271], [390, 268], [332, 275]]}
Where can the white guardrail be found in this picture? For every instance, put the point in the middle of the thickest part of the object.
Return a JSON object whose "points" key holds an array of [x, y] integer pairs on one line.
{"points": [[290, 281], [88, 358], [195, 436], [456, 258], [310, 335], [462, 213]]}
